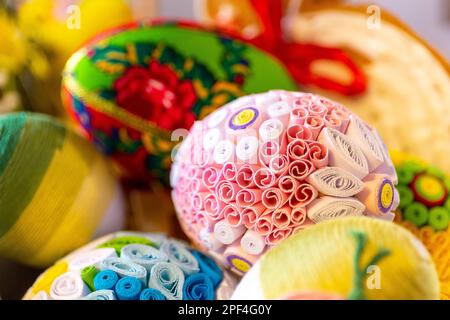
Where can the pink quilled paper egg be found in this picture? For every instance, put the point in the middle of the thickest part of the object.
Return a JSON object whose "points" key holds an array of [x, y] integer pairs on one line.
{"points": [[265, 166]]}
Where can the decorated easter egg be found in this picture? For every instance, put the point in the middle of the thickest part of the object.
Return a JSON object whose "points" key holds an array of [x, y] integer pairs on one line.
{"points": [[133, 266], [351, 258], [267, 165], [56, 190], [424, 209], [416, 89], [130, 89]]}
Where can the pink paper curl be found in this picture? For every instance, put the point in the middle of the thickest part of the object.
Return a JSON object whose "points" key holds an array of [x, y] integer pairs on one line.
{"points": [[244, 176], [281, 217], [264, 224], [317, 109], [300, 169], [315, 124], [298, 131], [264, 178], [204, 220], [298, 216], [279, 165], [212, 205], [298, 115], [277, 235], [232, 214], [248, 197], [318, 154], [229, 171], [251, 214], [274, 198], [287, 184], [210, 177], [303, 195], [333, 121], [297, 149]]}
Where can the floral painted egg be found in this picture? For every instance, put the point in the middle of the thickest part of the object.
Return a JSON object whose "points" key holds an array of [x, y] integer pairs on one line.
{"points": [[56, 191], [130, 88], [424, 209], [353, 258], [133, 266], [267, 165]]}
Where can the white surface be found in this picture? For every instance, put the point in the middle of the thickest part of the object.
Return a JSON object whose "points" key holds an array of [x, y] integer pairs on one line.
{"points": [[249, 288]]}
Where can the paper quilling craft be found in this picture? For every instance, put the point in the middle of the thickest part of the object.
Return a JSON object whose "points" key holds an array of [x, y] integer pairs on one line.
{"points": [[132, 266], [268, 165], [349, 258], [132, 87], [424, 209], [402, 91], [56, 190]]}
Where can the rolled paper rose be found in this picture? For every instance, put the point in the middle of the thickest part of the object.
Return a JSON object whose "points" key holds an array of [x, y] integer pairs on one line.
{"points": [[101, 295], [305, 173], [52, 184], [198, 287], [169, 279], [209, 267], [125, 268], [105, 280], [133, 266], [68, 286], [128, 288], [151, 294], [353, 258], [424, 210], [134, 90], [180, 256]]}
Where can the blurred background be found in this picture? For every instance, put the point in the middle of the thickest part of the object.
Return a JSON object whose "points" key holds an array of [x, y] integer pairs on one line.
{"points": [[431, 18]]}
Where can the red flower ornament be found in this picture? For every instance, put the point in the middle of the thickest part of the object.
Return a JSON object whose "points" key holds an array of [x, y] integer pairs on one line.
{"points": [[157, 95]]}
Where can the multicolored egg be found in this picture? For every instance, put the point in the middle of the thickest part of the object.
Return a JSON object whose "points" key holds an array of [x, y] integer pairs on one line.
{"points": [[56, 191], [424, 209], [352, 258], [265, 166], [132, 90], [133, 266]]}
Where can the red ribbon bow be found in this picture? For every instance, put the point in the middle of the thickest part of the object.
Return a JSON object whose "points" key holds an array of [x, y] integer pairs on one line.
{"points": [[299, 57]]}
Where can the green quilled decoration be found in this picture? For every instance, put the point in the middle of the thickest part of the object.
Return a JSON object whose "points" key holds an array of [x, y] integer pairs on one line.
{"points": [[424, 195]]}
